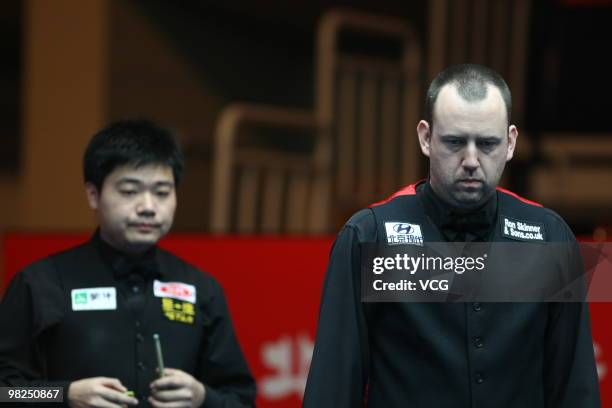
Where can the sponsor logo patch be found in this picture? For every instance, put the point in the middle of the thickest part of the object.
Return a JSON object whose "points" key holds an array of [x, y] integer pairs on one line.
{"points": [[176, 311], [94, 299], [175, 290], [523, 230], [399, 233]]}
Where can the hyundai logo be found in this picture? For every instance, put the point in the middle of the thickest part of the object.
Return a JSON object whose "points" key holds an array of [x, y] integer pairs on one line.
{"points": [[402, 228]]}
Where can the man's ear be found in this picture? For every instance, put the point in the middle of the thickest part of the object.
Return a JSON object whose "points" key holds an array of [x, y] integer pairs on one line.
{"points": [[424, 132], [93, 196], [512, 135]]}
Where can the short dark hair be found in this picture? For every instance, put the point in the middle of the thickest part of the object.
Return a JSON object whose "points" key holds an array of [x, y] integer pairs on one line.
{"points": [[134, 142], [471, 81]]}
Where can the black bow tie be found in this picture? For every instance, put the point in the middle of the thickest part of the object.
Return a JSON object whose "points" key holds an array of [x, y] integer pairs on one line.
{"points": [[466, 227], [147, 268]]}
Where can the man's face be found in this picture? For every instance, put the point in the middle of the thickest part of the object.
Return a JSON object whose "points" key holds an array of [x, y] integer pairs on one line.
{"points": [[468, 148], [135, 207]]}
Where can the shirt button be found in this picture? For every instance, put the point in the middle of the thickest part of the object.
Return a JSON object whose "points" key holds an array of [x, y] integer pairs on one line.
{"points": [[137, 324], [477, 306], [479, 378], [141, 365], [135, 289], [139, 337], [478, 343]]}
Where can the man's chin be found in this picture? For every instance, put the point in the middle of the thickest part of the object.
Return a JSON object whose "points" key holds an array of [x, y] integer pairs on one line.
{"points": [[143, 241], [468, 200]]}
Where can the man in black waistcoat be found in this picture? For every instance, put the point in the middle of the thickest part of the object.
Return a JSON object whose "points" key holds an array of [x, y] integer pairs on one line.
{"points": [[452, 355], [84, 319]]}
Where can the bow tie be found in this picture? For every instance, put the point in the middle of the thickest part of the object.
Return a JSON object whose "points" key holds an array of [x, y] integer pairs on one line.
{"points": [[146, 268], [466, 227]]}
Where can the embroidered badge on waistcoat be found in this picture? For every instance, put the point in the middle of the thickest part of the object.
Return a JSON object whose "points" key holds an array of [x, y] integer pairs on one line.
{"points": [[403, 233], [84, 299], [522, 230], [178, 311]]}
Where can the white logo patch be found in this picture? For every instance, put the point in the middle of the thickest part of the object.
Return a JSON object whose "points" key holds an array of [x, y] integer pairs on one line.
{"points": [[94, 299], [175, 290], [399, 233], [522, 230]]}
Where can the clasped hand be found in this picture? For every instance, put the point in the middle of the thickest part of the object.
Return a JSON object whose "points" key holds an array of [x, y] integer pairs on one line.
{"points": [[176, 389]]}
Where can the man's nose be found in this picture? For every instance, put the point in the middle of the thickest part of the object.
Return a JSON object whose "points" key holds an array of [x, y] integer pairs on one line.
{"points": [[147, 204], [470, 159]]}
